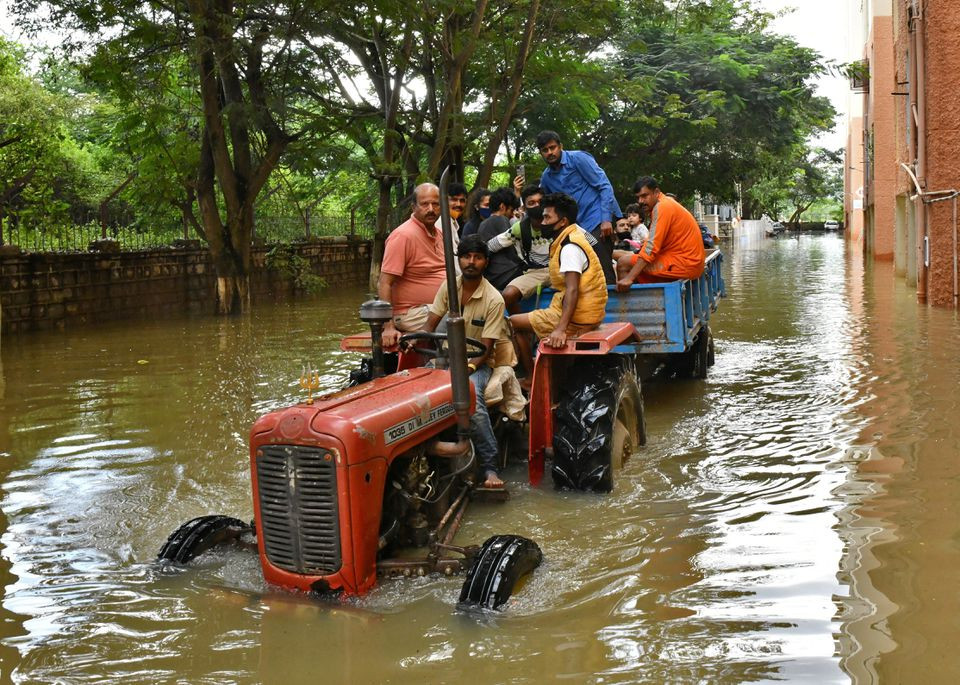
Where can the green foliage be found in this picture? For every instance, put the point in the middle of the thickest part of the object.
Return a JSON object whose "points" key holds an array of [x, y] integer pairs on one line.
{"points": [[285, 260], [51, 169], [796, 184], [706, 94], [331, 108]]}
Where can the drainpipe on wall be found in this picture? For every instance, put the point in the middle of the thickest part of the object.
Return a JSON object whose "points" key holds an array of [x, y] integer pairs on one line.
{"points": [[919, 87], [929, 197]]}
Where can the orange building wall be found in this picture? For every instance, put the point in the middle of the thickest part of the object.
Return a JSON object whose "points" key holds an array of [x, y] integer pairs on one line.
{"points": [[943, 138], [880, 119], [889, 226], [853, 182]]}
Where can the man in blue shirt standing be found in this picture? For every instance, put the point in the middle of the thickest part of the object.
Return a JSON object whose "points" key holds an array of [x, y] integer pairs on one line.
{"points": [[577, 174]]}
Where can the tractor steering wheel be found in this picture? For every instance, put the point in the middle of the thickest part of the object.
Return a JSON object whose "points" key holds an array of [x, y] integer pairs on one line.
{"points": [[479, 349]]}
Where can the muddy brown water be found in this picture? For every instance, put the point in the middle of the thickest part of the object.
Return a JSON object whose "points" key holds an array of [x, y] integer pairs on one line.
{"points": [[794, 517]]}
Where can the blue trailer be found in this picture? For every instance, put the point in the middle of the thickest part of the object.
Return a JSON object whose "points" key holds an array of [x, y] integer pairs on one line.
{"points": [[586, 410], [668, 318]]}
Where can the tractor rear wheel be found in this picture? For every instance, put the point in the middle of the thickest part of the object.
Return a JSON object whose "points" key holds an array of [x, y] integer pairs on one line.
{"points": [[502, 562], [598, 423], [198, 535]]}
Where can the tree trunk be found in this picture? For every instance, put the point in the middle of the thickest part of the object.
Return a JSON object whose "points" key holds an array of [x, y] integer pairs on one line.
{"points": [[380, 235], [233, 294], [455, 65], [393, 142], [105, 203], [510, 102], [227, 159], [797, 213]]}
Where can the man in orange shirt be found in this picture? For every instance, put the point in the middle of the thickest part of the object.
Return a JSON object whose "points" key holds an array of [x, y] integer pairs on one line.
{"points": [[413, 265], [674, 249]]}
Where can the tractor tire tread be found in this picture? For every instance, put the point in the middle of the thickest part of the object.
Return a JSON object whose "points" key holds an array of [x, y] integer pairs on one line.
{"points": [[503, 560], [198, 535], [584, 422]]}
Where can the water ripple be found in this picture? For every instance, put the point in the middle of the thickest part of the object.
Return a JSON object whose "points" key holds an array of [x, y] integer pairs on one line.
{"points": [[715, 559]]}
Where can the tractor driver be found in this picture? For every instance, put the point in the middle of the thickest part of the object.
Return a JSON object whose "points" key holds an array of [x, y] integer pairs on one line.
{"points": [[577, 276], [483, 311]]}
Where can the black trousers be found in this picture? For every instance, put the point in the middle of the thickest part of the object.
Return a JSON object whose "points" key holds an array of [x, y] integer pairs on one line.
{"points": [[604, 250]]}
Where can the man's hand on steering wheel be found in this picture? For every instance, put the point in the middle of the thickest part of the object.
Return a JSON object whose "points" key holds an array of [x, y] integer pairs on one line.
{"points": [[475, 348]]}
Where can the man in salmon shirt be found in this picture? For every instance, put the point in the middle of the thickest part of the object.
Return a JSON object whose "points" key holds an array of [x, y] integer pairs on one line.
{"points": [[674, 249], [413, 266]]}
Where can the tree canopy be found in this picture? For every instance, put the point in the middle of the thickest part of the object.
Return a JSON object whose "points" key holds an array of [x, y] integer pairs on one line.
{"points": [[211, 113]]}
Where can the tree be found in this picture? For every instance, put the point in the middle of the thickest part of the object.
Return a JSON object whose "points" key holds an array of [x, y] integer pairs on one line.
{"points": [[247, 68], [47, 173], [30, 133], [420, 87], [817, 176], [705, 93], [154, 137]]}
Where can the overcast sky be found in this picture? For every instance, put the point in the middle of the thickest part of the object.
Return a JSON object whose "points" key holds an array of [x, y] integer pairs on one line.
{"points": [[819, 24], [824, 26]]}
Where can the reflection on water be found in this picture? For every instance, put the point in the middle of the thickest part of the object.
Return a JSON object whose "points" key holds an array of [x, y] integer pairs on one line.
{"points": [[765, 532], [904, 537]]}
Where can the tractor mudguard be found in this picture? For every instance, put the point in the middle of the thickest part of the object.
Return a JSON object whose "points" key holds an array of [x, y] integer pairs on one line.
{"points": [[585, 349]]}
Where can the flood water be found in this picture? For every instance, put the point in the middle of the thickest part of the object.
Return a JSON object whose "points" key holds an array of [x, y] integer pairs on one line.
{"points": [[793, 517]]}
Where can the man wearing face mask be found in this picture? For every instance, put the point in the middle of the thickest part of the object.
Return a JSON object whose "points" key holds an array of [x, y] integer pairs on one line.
{"points": [[577, 276]]}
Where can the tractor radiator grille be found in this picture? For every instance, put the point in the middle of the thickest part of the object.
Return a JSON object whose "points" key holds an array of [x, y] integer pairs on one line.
{"points": [[299, 521]]}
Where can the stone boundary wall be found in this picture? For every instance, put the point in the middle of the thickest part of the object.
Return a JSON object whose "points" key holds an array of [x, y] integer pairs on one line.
{"points": [[40, 291]]}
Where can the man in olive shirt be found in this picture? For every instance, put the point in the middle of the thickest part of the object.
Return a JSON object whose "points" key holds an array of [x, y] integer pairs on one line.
{"points": [[483, 309]]}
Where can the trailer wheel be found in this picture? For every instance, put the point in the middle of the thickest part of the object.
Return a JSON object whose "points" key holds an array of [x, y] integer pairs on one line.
{"points": [[694, 362], [502, 562], [198, 535], [598, 424]]}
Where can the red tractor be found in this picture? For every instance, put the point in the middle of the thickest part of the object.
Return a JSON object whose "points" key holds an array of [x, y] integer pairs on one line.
{"points": [[346, 486]]}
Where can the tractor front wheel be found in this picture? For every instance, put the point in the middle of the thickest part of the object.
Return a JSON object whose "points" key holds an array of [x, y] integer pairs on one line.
{"points": [[502, 562], [198, 535]]}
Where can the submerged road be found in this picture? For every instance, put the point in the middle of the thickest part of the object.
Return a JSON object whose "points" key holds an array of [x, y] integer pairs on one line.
{"points": [[794, 516]]}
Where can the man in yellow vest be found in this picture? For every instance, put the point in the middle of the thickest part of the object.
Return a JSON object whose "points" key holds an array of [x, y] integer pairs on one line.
{"points": [[577, 276]]}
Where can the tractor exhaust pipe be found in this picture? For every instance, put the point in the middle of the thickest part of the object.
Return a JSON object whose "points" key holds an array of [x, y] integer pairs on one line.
{"points": [[456, 329], [376, 313]]}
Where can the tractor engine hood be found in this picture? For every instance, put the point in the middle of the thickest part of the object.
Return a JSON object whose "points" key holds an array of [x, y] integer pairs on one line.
{"points": [[319, 472]]}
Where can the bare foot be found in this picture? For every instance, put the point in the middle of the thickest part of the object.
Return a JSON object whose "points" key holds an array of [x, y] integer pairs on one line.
{"points": [[493, 480]]}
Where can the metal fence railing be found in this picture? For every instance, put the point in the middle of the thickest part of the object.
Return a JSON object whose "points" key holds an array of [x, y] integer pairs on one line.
{"points": [[288, 229], [77, 237]]}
